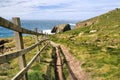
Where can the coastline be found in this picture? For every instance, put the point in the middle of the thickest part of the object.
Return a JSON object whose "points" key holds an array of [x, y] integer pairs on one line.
{"points": [[5, 33]]}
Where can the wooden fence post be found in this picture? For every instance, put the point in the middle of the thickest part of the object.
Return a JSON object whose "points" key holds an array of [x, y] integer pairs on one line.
{"points": [[19, 46], [37, 40]]}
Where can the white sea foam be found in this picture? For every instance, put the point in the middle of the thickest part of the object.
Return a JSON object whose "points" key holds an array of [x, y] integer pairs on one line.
{"points": [[48, 31], [72, 24]]}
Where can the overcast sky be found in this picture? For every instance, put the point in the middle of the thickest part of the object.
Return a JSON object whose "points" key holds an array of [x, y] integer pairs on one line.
{"points": [[56, 9]]}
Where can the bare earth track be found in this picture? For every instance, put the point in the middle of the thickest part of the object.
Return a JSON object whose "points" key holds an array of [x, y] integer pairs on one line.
{"points": [[77, 73]]}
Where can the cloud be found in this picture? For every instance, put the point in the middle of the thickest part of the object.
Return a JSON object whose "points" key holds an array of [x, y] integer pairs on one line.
{"points": [[58, 6], [55, 9]]}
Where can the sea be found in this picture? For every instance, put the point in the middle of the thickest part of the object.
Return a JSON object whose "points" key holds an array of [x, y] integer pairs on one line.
{"points": [[42, 25]]}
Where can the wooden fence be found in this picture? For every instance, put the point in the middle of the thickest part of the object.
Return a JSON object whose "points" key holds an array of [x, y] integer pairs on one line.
{"points": [[20, 53], [60, 58]]}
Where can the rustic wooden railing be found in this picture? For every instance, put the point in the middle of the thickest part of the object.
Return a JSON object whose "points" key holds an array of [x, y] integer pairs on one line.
{"points": [[15, 26], [20, 53], [7, 57]]}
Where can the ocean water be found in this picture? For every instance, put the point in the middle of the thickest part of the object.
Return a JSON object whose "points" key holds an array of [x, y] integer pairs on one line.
{"points": [[45, 25]]}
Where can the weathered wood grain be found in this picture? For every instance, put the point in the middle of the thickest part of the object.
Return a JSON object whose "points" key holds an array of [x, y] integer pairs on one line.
{"points": [[7, 24], [20, 54], [24, 70], [20, 46], [37, 40], [7, 57]]}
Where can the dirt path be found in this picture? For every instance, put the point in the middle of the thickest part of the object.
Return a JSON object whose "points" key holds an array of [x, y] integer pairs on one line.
{"points": [[58, 63], [74, 65]]}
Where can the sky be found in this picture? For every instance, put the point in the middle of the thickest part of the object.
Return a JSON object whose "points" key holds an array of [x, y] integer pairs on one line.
{"points": [[56, 9]]}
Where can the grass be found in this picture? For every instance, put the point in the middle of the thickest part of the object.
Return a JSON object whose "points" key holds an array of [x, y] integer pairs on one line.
{"points": [[36, 71], [99, 51]]}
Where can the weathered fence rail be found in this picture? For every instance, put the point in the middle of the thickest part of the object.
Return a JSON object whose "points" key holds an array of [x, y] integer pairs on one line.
{"points": [[7, 24], [20, 53], [7, 57], [24, 70], [60, 54]]}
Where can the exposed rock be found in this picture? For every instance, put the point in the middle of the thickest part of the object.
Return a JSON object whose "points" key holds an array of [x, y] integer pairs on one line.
{"points": [[2, 46], [112, 47], [88, 22], [54, 29], [97, 40], [61, 28], [117, 9], [80, 34], [3, 42], [93, 31]]}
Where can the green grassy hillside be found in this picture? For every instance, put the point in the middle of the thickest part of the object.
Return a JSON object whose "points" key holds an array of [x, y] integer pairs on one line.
{"points": [[96, 45], [36, 71]]}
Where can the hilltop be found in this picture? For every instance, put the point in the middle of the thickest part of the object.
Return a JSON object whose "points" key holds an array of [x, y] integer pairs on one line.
{"points": [[102, 20], [96, 42]]}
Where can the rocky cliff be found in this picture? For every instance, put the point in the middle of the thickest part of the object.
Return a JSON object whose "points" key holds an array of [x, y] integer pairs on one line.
{"points": [[61, 28]]}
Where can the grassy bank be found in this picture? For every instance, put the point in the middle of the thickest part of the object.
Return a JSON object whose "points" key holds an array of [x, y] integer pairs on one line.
{"points": [[97, 46], [37, 70]]}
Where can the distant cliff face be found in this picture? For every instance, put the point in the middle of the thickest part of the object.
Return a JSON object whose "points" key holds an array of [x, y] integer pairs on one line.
{"points": [[61, 28], [87, 22], [107, 17]]}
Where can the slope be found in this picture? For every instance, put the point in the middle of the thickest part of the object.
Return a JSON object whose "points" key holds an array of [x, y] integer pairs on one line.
{"points": [[96, 45]]}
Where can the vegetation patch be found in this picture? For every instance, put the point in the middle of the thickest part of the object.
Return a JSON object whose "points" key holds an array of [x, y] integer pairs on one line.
{"points": [[99, 50]]}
